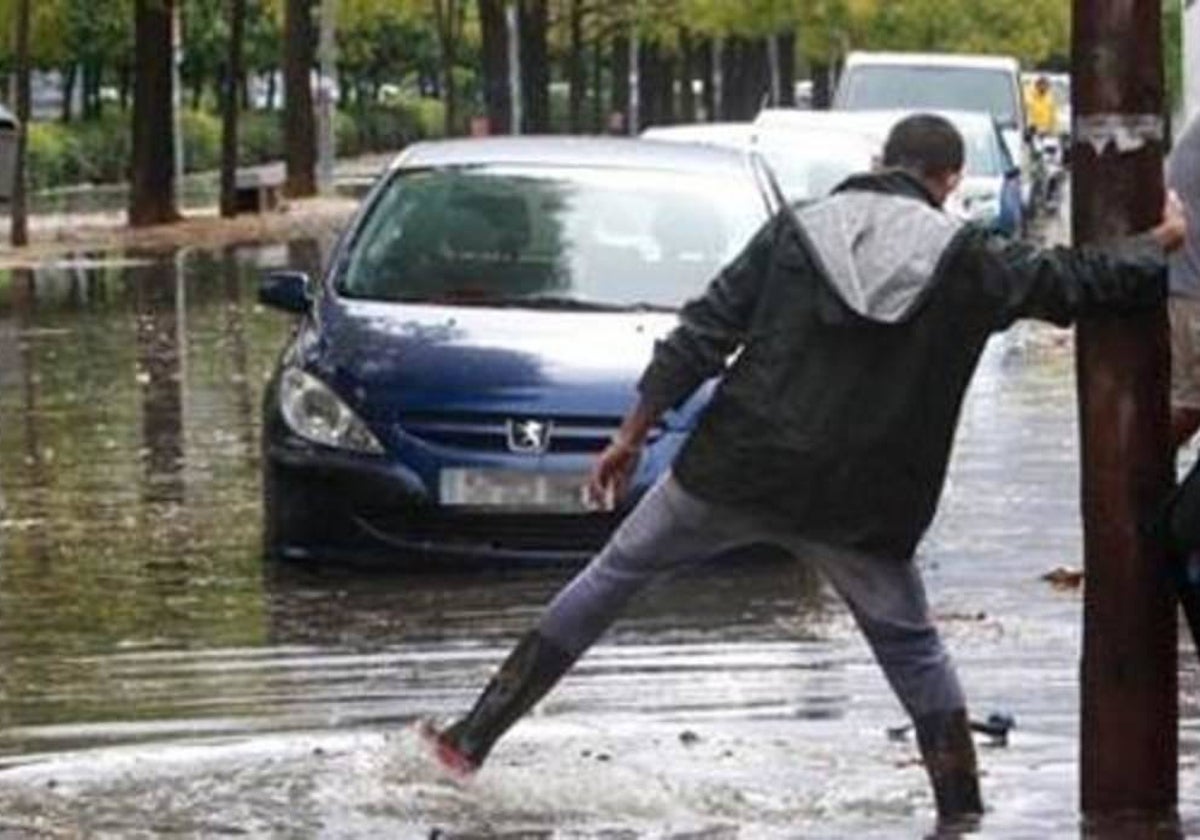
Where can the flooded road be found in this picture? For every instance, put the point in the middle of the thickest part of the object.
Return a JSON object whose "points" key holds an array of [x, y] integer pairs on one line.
{"points": [[156, 679]]}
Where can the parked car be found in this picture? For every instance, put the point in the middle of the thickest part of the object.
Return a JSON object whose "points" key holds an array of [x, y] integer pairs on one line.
{"points": [[990, 190], [478, 337], [943, 82], [807, 162]]}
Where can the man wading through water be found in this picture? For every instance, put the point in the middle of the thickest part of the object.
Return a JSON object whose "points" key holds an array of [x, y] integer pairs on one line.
{"points": [[859, 320]]}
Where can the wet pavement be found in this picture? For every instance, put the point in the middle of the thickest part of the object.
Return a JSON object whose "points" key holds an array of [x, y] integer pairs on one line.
{"points": [[157, 679]]}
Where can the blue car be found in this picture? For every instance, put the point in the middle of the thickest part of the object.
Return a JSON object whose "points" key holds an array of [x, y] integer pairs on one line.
{"points": [[477, 339]]}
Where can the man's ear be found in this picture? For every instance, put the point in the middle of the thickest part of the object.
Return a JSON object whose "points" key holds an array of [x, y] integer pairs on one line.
{"points": [[945, 183]]}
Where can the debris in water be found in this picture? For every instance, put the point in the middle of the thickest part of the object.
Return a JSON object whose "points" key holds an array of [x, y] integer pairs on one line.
{"points": [[996, 726], [1064, 578], [687, 737]]}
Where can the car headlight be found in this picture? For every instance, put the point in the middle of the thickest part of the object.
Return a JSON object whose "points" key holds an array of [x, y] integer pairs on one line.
{"points": [[316, 413]]}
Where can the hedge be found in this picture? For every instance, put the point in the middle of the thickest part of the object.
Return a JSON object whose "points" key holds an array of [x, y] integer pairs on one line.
{"points": [[98, 151]]}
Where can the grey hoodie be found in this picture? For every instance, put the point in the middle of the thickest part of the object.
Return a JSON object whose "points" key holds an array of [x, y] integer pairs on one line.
{"points": [[879, 251]]}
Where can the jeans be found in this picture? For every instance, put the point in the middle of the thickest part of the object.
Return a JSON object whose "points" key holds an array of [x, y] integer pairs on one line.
{"points": [[672, 529]]}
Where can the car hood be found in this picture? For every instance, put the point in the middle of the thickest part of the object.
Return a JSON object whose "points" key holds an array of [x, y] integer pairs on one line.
{"points": [[394, 360]]}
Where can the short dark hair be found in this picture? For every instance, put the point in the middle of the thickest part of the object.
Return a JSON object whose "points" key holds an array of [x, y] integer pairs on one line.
{"points": [[926, 144]]}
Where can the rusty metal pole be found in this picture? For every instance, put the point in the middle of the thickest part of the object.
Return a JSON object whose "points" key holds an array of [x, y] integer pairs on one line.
{"points": [[1129, 748]]}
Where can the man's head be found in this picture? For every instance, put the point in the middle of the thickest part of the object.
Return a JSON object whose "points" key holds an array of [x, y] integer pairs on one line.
{"points": [[929, 147], [1041, 85]]}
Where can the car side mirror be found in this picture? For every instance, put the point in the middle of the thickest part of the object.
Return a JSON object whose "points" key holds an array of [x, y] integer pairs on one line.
{"points": [[290, 291], [1012, 173]]}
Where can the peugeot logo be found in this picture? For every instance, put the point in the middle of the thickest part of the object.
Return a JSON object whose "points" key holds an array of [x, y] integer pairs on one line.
{"points": [[529, 437]]}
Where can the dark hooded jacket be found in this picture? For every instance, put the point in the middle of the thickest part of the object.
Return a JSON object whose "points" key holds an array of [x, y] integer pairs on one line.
{"points": [[854, 325]]}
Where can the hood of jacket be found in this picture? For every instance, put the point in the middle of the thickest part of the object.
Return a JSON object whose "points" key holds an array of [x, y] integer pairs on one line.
{"points": [[879, 238]]}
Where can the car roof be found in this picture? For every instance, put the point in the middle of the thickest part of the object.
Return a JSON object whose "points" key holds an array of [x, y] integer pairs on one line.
{"points": [[715, 132], [751, 135], [615, 152], [867, 120], [982, 62]]}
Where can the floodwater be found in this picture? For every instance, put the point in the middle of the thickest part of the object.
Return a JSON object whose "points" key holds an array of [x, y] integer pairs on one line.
{"points": [[156, 679]]}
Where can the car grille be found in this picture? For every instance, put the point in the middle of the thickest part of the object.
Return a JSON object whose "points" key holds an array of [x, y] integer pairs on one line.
{"points": [[489, 432]]}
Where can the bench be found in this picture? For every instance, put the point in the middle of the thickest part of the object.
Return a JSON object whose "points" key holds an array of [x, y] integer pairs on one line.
{"points": [[259, 189]]}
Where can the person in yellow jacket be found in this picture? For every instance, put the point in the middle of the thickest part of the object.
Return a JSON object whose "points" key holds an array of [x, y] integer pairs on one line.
{"points": [[1041, 107]]}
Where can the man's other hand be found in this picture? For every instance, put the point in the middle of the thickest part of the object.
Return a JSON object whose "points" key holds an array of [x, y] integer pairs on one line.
{"points": [[1172, 228], [611, 474]]}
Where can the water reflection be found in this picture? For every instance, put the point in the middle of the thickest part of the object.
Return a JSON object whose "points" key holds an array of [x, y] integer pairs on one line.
{"points": [[135, 609], [161, 312]]}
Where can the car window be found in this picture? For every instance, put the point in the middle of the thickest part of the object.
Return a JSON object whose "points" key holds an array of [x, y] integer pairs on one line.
{"points": [[806, 173], [982, 152], [946, 88], [603, 236]]}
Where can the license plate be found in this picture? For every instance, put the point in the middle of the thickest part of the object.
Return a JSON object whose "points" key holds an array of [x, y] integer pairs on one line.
{"points": [[513, 490]]}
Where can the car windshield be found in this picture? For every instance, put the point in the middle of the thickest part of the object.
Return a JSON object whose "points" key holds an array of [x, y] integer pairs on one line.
{"points": [[808, 172], [942, 88], [552, 236]]}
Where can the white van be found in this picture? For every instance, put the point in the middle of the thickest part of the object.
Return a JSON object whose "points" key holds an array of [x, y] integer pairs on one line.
{"points": [[942, 82]]}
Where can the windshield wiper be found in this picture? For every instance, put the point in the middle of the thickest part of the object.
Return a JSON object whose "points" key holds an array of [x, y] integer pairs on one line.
{"points": [[581, 304], [547, 302]]}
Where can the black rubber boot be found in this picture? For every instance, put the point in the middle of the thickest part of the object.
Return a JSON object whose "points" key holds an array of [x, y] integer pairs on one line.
{"points": [[531, 670], [949, 754]]}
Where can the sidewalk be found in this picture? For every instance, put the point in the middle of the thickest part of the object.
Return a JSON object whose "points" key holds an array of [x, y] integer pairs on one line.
{"points": [[56, 234]]}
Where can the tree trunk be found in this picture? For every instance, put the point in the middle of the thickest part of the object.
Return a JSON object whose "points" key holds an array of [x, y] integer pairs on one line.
{"points": [[535, 65], [598, 86], [125, 85], [69, 74], [299, 118], [618, 111], [87, 104], [448, 19], [152, 183], [731, 75], [666, 88], [687, 72], [20, 210], [576, 71], [229, 127], [746, 78], [496, 94], [787, 68], [708, 87], [822, 93], [648, 71]]}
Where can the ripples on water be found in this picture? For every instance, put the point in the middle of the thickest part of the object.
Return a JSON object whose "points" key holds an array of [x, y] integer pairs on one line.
{"points": [[155, 678]]}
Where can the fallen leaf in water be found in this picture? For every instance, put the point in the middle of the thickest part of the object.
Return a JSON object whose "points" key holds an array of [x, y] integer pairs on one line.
{"points": [[1064, 578]]}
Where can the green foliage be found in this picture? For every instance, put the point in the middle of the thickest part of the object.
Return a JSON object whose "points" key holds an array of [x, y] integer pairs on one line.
{"points": [[98, 151], [51, 156], [201, 141], [260, 137]]}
